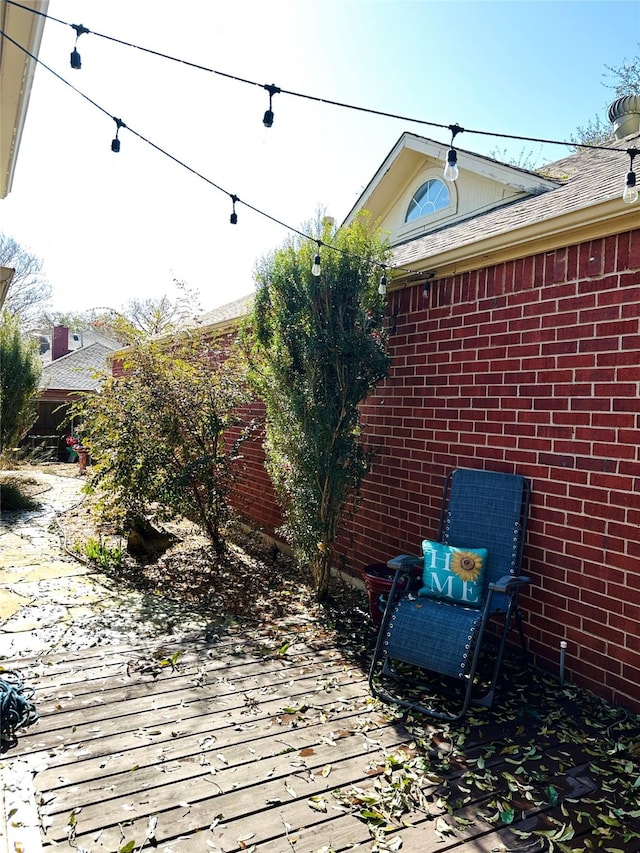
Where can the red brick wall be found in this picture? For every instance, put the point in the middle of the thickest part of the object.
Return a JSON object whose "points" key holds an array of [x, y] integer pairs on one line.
{"points": [[253, 495], [530, 366]]}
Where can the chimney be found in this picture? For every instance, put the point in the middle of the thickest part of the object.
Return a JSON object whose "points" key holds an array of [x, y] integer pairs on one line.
{"points": [[60, 342], [624, 115]]}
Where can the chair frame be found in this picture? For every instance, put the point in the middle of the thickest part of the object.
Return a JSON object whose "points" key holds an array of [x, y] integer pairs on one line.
{"points": [[508, 586]]}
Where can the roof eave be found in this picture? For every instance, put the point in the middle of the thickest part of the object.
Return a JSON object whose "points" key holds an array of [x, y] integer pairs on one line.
{"points": [[17, 70], [595, 221]]}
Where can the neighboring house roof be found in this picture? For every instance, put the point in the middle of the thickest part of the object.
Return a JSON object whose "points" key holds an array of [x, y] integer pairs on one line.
{"points": [[218, 319], [227, 313], [77, 339], [76, 371], [16, 78], [579, 197]]}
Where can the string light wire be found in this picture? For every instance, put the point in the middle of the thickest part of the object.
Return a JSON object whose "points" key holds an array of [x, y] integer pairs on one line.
{"points": [[272, 89], [268, 119], [232, 196]]}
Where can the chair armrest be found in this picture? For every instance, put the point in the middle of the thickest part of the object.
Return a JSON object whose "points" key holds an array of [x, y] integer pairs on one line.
{"points": [[404, 563], [509, 583]]}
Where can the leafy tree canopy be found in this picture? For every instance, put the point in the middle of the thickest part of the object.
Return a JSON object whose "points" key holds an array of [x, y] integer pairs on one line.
{"points": [[138, 320]]}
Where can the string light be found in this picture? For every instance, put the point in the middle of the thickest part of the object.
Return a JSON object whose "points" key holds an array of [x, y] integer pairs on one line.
{"points": [[76, 61], [115, 142], [451, 171], [268, 116], [308, 97], [315, 269], [630, 194], [426, 287], [233, 219], [382, 286], [115, 146]]}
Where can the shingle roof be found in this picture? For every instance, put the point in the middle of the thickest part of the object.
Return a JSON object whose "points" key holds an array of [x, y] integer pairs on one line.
{"points": [[76, 371], [230, 311], [77, 339], [590, 177]]}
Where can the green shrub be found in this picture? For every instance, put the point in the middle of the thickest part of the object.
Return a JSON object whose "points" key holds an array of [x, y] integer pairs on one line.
{"points": [[166, 434], [101, 554], [18, 383], [13, 498]]}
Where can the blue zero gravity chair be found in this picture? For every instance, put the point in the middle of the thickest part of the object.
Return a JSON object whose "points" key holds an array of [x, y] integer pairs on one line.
{"points": [[470, 579]]}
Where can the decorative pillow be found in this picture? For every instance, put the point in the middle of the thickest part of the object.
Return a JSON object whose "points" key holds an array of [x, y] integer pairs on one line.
{"points": [[453, 574]]}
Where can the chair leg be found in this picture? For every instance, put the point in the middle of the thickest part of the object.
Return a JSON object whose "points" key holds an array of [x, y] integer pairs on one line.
{"points": [[523, 641], [487, 698]]}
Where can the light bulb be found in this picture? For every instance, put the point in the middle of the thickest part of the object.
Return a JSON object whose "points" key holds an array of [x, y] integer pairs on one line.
{"points": [[630, 194], [382, 287], [451, 170], [267, 120], [315, 269]]}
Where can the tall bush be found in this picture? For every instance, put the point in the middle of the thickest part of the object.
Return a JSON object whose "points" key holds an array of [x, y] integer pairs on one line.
{"points": [[317, 348], [158, 435]]}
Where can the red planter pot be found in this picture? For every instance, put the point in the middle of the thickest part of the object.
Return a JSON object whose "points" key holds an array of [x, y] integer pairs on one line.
{"points": [[378, 578]]}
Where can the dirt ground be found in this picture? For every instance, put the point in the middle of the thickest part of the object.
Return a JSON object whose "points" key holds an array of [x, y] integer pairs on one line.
{"points": [[254, 582]]}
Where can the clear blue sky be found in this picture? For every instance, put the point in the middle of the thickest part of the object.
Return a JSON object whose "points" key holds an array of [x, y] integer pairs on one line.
{"points": [[109, 227]]}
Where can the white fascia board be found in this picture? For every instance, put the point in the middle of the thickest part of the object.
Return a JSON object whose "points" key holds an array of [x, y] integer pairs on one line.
{"points": [[17, 79]]}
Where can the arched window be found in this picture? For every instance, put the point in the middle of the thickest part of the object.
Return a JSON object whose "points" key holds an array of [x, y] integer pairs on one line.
{"points": [[433, 195]]}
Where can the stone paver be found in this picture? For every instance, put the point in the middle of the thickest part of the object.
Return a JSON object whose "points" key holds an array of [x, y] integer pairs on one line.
{"points": [[51, 601], [31, 561]]}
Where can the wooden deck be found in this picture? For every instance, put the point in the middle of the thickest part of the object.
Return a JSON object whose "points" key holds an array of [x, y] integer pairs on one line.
{"points": [[228, 746]]}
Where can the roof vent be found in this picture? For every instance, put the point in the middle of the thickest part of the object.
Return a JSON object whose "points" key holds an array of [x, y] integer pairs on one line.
{"points": [[624, 115]]}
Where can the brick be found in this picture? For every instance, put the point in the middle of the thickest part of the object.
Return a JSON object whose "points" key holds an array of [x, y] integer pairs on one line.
{"points": [[572, 263], [624, 297], [623, 250], [634, 250], [591, 344]]}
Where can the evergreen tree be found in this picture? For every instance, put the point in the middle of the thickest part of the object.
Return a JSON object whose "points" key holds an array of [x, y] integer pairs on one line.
{"points": [[317, 350], [19, 375]]}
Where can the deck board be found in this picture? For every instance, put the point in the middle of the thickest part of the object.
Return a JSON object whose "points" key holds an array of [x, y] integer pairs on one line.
{"points": [[229, 731], [227, 749]]}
